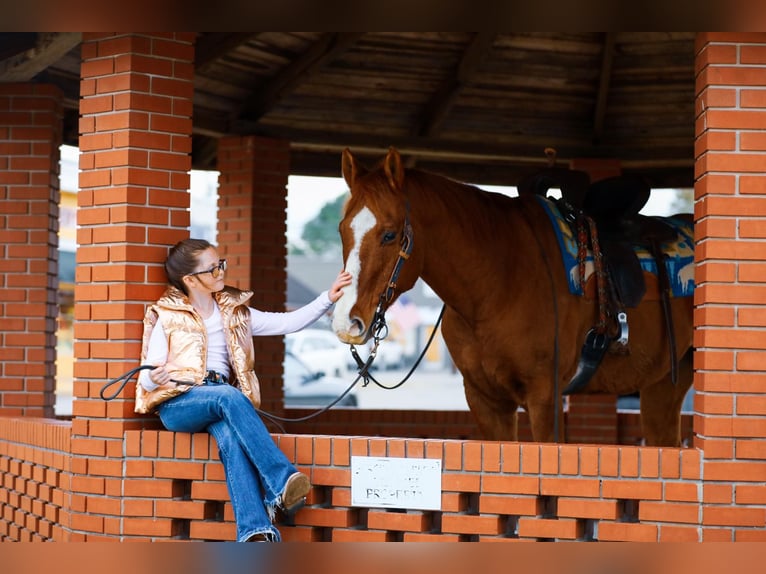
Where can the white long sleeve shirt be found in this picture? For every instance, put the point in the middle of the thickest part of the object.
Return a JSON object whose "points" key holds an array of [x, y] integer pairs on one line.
{"points": [[261, 323]]}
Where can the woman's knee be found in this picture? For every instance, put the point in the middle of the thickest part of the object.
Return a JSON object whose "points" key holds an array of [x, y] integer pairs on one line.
{"points": [[229, 394]]}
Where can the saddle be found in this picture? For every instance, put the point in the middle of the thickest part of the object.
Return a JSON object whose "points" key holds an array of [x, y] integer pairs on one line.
{"points": [[609, 210]]}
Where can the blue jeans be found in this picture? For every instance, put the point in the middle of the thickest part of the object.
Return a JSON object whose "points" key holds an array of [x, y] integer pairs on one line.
{"points": [[256, 470]]}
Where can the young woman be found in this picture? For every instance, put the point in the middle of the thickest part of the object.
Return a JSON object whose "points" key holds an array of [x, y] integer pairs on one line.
{"points": [[199, 335]]}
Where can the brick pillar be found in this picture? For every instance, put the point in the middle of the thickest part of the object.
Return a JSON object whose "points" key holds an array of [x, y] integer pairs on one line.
{"points": [[593, 418], [133, 202], [730, 215], [30, 137], [251, 235]]}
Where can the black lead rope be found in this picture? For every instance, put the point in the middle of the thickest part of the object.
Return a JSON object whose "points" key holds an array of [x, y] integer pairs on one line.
{"points": [[123, 380], [364, 366]]}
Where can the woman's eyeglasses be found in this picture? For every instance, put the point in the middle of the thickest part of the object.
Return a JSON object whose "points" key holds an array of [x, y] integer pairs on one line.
{"points": [[215, 271]]}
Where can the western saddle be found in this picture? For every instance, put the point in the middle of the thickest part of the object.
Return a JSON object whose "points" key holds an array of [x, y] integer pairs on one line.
{"points": [[604, 217]]}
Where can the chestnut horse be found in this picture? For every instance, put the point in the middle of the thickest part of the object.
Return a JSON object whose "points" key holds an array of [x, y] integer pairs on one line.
{"points": [[476, 250]]}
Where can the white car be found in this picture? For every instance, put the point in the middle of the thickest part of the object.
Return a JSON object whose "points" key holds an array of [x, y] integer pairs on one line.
{"points": [[320, 350], [304, 388]]}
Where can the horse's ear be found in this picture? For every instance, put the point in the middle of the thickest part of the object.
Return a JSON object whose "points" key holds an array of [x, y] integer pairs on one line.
{"points": [[350, 168], [394, 169]]}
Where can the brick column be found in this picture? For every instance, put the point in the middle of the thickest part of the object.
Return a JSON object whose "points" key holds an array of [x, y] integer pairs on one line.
{"points": [[135, 141], [593, 418], [252, 229], [730, 215], [30, 137]]}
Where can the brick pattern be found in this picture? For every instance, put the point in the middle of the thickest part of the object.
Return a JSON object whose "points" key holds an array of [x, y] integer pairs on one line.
{"points": [[110, 475], [252, 226], [730, 200], [34, 480], [460, 425], [135, 143], [175, 489], [30, 137]]}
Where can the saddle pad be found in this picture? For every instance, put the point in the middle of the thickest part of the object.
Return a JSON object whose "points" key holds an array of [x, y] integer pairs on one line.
{"points": [[680, 253]]}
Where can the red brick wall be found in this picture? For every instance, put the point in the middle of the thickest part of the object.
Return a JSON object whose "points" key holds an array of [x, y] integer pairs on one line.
{"points": [[252, 228], [30, 137], [133, 204], [730, 203], [490, 491], [35, 479]]}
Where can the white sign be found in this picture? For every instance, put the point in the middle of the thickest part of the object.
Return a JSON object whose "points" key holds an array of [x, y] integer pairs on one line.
{"points": [[396, 482]]}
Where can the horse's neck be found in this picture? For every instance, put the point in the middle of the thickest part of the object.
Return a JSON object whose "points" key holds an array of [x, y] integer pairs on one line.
{"points": [[469, 242]]}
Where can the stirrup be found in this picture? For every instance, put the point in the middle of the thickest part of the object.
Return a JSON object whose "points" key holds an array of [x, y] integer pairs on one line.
{"points": [[593, 351]]}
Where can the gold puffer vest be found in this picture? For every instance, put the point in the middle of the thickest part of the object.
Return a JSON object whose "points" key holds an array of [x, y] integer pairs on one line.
{"points": [[187, 344]]}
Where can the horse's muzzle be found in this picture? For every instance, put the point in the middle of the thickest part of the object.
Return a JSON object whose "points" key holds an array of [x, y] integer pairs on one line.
{"points": [[356, 332]]}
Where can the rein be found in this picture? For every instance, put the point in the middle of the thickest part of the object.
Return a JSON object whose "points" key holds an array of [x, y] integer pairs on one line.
{"points": [[123, 380]]}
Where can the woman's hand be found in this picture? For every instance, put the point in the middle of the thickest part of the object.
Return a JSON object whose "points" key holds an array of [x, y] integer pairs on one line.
{"points": [[160, 376], [336, 289]]}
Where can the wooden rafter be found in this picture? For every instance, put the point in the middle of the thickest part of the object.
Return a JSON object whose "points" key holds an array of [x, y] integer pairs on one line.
{"points": [[212, 46], [605, 79], [205, 154], [299, 71], [49, 48], [444, 98], [442, 101]]}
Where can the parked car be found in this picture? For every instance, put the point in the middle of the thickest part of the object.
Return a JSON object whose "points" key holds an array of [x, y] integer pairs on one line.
{"points": [[390, 355], [320, 350], [306, 388]]}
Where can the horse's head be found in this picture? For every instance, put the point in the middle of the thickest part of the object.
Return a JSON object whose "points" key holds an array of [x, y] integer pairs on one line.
{"points": [[376, 236]]}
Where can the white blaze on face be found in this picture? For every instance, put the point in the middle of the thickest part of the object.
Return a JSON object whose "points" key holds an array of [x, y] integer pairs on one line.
{"points": [[341, 318]]}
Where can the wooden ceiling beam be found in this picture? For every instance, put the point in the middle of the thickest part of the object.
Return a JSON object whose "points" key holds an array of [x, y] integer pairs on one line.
{"points": [[442, 101], [214, 45], [300, 70], [205, 154], [605, 79], [48, 49]]}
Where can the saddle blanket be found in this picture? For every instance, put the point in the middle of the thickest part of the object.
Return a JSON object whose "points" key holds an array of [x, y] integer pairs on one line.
{"points": [[680, 253]]}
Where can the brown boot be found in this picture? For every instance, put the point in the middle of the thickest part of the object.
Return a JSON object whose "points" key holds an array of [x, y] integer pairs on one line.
{"points": [[296, 489]]}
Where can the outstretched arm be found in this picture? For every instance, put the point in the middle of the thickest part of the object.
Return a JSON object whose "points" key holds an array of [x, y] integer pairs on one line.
{"points": [[265, 323]]}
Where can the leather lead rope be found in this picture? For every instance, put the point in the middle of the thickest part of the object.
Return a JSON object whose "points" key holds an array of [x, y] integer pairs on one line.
{"points": [[124, 378]]}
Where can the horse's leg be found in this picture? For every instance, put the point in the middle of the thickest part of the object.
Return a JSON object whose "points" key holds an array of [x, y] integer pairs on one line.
{"points": [[661, 406], [542, 412], [497, 419], [491, 407]]}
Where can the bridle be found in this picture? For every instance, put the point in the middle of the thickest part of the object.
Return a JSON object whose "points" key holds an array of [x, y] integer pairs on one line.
{"points": [[379, 321], [378, 327]]}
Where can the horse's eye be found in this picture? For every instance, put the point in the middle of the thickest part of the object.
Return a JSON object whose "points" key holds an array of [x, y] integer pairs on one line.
{"points": [[388, 237]]}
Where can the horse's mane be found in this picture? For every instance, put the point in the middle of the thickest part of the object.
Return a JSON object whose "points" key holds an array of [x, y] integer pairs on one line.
{"points": [[485, 211], [455, 194]]}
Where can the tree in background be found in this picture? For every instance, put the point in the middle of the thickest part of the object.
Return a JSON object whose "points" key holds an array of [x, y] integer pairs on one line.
{"points": [[683, 202], [321, 233]]}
